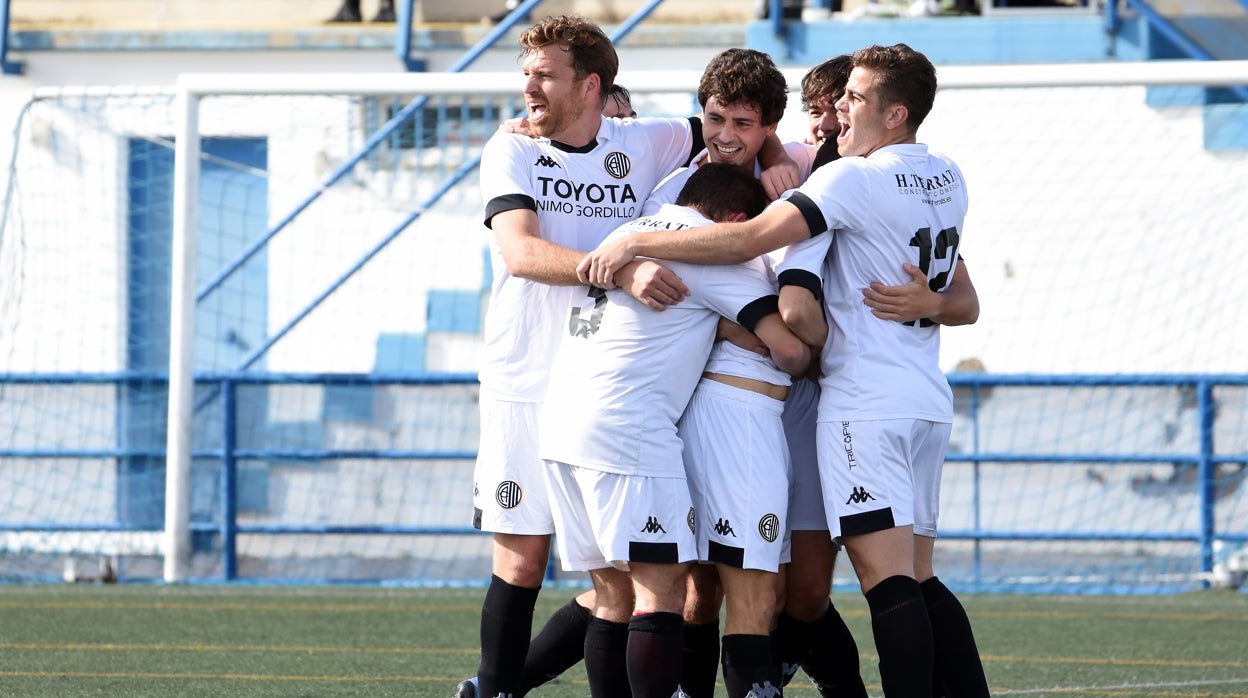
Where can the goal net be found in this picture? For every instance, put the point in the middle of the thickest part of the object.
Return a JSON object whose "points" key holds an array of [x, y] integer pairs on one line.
{"points": [[323, 276]]}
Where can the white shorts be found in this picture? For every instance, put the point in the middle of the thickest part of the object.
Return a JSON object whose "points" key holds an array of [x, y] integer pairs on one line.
{"points": [[806, 512], [881, 474], [608, 519], [737, 462], [508, 489]]}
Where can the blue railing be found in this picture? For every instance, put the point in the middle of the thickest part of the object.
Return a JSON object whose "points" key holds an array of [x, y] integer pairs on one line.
{"points": [[226, 525]]}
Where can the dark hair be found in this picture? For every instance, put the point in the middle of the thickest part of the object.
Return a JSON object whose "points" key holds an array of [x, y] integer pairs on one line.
{"points": [[901, 75], [591, 49], [746, 77], [622, 97], [719, 189], [826, 80]]}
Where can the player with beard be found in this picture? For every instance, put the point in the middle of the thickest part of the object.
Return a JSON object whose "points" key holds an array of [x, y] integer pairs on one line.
{"points": [[547, 200]]}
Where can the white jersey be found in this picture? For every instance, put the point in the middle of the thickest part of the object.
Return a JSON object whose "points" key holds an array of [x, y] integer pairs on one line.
{"points": [[900, 204], [624, 372], [579, 195], [802, 153], [731, 360], [726, 357]]}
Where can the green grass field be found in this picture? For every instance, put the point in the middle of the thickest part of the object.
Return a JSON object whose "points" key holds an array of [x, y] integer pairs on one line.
{"points": [[128, 640]]}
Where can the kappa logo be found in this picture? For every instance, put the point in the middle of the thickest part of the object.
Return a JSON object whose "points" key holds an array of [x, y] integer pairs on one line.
{"points": [[653, 526], [508, 494], [764, 691], [544, 161], [617, 164], [858, 496], [769, 527], [724, 528]]}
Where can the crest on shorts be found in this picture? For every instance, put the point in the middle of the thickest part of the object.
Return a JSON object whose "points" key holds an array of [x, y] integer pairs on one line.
{"points": [[689, 520], [769, 527], [508, 494], [617, 164]]}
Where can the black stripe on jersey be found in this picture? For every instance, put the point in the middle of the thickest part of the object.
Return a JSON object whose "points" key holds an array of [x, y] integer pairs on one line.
{"points": [[726, 554], [809, 211], [803, 278], [758, 309], [660, 553], [699, 144], [507, 202], [579, 150], [867, 522]]}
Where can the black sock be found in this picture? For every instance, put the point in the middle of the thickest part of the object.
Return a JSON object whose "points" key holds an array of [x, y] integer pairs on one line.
{"points": [[506, 622], [958, 669], [749, 671], [793, 638], [700, 659], [559, 645], [903, 637], [606, 645], [832, 662], [654, 642]]}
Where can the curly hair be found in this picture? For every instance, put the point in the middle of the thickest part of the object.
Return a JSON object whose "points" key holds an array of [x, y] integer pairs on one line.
{"points": [[901, 75], [741, 76], [591, 49], [826, 80]]}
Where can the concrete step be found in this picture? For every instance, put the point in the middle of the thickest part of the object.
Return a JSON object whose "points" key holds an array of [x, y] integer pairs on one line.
{"points": [[224, 14]]}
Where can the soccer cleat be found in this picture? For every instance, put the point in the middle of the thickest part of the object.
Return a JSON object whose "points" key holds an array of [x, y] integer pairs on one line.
{"points": [[466, 688]]}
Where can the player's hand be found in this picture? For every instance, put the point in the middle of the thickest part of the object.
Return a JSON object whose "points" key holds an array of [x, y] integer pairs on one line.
{"points": [[598, 268], [519, 125], [738, 335], [903, 303], [651, 283], [780, 178]]}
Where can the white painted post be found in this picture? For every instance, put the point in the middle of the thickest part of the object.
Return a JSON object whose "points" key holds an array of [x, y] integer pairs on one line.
{"points": [[177, 542]]}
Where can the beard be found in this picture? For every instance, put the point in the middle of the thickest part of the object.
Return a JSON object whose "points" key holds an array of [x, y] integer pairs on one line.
{"points": [[558, 117]]}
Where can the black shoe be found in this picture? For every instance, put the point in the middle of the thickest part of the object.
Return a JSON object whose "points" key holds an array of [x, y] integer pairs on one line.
{"points": [[466, 688], [385, 12], [346, 14]]}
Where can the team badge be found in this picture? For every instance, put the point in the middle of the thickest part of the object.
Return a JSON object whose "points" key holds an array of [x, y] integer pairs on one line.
{"points": [[769, 527], [617, 164], [508, 494], [689, 520]]}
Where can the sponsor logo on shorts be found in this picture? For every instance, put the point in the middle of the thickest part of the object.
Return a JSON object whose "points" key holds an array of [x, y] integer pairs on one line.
{"points": [[724, 528], [508, 494], [690, 520], [849, 445], [544, 161], [769, 527], [653, 526], [617, 164], [860, 495]]}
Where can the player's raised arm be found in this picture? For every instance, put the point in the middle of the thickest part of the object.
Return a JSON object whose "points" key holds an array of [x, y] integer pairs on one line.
{"points": [[722, 243]]}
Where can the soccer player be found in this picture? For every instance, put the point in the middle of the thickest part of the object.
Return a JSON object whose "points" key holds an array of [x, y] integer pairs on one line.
{"points": [[608, 434], [547, 200], [885, 409], [743, 95], [619, 103]]}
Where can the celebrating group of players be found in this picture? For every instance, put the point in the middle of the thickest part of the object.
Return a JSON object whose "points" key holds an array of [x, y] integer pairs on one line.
{"points": [[644, 389]]}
